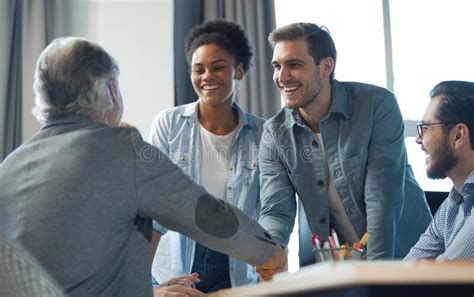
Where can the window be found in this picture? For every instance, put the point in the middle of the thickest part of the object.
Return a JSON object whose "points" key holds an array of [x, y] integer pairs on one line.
{"points": [[431, 41]]}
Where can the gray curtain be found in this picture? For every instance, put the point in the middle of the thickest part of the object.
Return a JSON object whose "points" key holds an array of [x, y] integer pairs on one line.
{"points": [[10, 76], [257, 93], [26, 27]]}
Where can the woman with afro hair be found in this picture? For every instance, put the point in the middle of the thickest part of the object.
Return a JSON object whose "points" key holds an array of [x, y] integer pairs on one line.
{"points": [[216, 143]]}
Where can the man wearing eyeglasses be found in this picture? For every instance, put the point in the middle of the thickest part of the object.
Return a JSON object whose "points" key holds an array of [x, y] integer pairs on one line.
{"points": [[446, 135]]}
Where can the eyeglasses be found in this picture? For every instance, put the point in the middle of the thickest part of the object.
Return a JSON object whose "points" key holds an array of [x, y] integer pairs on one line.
{"points": [[421, 127]]}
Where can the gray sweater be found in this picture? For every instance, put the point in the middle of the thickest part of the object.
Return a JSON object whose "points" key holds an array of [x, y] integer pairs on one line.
{"points": [[80, 197]]}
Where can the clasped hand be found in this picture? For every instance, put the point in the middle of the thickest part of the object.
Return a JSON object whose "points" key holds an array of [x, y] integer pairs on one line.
{"points": [[274, 265]]}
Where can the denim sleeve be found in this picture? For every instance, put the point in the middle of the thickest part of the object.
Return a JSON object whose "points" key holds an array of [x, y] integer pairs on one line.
{"points": [[385, 176], [277, 195], [159, 137]]}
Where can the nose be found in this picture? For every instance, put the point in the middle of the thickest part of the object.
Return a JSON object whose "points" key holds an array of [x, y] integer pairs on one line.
{"points": [[208, 74], [418, 139], [282, 74]]}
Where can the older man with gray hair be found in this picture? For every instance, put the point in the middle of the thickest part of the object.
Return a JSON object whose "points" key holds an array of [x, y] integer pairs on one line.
{"points": [[80, 195]]}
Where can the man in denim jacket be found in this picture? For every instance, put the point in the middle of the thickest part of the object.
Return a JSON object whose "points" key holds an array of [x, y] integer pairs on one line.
{"points": [[340, 148]]}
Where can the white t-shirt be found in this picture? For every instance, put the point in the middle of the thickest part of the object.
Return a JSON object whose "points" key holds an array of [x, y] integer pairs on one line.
{"points": [[215, 152], [337, 215]]}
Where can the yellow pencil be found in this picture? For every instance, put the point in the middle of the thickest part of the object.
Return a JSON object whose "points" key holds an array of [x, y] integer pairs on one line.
{"points": [[364, 239]]}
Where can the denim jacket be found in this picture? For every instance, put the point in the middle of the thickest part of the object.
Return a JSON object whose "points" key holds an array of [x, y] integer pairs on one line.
{"points": [[363, 135], [176, 132]]}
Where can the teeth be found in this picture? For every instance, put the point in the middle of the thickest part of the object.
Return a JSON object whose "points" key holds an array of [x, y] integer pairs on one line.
{"points": [[210, 87], [290, 88]]}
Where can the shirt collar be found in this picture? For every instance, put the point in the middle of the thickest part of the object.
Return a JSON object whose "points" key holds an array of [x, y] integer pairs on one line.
{"points": [[467, 190], [339, 105], [339, 102], [192, 109], [468, 187], [69, 119]]}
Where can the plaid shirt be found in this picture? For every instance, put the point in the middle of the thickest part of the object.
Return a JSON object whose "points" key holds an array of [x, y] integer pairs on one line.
{"points": [[450, 234]]}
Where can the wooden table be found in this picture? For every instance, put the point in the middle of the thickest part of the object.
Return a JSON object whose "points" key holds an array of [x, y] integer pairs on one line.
{"points": [[367, 278]]}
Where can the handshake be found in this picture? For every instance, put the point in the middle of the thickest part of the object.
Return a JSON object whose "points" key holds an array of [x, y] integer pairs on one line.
{"points": [[185, 285], [275, 264]]}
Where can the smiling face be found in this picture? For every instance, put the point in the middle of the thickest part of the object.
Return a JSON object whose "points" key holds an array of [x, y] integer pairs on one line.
{"points": [[440, 157], [214, 74], [295, 73]]}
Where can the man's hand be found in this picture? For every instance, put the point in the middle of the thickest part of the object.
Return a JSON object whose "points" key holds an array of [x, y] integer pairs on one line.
{"points": [[274, 265], [176, 291], [188, 280], [179, 286]]}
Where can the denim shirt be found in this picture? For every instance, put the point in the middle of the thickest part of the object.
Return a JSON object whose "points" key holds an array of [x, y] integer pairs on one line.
{"points": [[450, 234], [363, 135], [176, 132]]}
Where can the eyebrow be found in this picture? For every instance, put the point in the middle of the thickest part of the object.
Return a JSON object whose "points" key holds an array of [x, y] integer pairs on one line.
{"points": [[220, 60], [214, 62], [289, 61]]}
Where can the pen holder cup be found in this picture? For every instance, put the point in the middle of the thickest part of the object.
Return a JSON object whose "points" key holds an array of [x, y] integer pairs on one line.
{"points": [[339, 254]]}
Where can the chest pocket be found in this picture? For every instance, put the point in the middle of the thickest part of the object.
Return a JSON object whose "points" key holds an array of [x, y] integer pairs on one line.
{"points": [[248, 173], [182, 159]]}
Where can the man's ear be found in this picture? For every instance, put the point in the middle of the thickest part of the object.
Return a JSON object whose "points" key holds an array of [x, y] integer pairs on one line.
{"points": [[112, 90], [327, 66], [239, 72], [461, 135]]}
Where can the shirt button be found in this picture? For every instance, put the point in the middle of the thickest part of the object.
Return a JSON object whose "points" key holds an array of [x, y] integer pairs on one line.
{"points": [[320, 183], [315, 143], [336, 173], [322, 220], [229, 188], [231, 168]]}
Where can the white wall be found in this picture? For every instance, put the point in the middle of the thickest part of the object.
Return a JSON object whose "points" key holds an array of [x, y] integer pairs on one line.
{"points": [[139, 35]]}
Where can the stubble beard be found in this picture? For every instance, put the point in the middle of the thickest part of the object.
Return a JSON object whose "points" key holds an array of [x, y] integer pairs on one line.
{"points": [[442, 161], [310, 95], [305, 102], [307, 98]]}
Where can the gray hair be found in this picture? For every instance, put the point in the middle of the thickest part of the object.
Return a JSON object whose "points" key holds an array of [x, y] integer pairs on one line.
{"points": [[71, 78]]}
